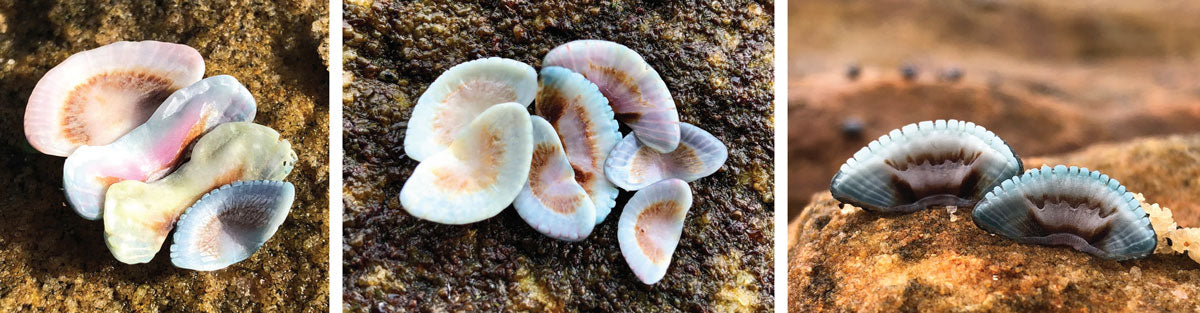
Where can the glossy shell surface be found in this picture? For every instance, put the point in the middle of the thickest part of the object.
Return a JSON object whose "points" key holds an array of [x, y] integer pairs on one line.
{"points": [[586, 127], [940, 162], [1069, 206], [138, 215], [460, 94], [634, 166], [638, 95], [96, 96], [479, 175], [230, 223], [650, 227], [153, 149], [552, 201]]}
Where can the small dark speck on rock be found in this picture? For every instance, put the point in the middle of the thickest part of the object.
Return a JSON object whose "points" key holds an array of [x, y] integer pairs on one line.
{"points": [[909, 72], [952, 75], [853, 71], [852, 128]]}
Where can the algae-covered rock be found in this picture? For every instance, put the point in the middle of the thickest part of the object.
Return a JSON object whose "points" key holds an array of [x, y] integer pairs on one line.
{"points": [[53, 260], [842, 258], [717, 60]]}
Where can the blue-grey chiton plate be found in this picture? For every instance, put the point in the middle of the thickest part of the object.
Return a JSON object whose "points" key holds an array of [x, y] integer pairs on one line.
{"points": [[925, 164], [1071, 206]]}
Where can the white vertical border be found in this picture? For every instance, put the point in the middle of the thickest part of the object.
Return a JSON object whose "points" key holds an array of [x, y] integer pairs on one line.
{"points": [[781, 160], [335, 156]]}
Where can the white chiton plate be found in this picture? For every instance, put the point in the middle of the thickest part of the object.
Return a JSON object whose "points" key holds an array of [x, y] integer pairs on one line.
{"points": [[638, 96], [650, 227], [585, 125], [230, 223], [479, 175], [459, 95], [552, 201], [139, 215], [634, 166], [153, 149], [96, 96]]}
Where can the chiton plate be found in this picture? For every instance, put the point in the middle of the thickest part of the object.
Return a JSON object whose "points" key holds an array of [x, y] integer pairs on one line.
{"points": [[946, 163], [1068, 206], [96, 96]]}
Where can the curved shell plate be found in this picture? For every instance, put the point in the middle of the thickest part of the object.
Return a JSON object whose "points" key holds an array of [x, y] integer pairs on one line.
{"points": [[585, 124], [633, 166], [929, 163], [459, 95], [479, 175], [1068, 206], [152, 150], [138, 215], [230, 223], [638, 96], [96, 96], [552, 201], [650, 227]]}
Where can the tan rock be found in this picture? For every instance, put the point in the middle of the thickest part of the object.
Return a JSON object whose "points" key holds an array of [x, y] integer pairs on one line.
{"points": [[851, 260]]}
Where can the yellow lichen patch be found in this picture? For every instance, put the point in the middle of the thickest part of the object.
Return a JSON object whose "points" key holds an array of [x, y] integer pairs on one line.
{"points": [[381, 279], [361, 3], [758, 178], [531, 296], [717, 59], [739, 291]]}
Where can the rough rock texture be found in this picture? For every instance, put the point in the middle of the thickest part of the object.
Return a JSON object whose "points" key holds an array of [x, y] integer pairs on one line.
{"points": [[846, 259], [1047, 76], [53, 260], [715, 57]]}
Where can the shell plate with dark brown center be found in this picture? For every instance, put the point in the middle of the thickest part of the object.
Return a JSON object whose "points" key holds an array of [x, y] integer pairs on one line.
{"points": [[1068, 206], [925, 164]]}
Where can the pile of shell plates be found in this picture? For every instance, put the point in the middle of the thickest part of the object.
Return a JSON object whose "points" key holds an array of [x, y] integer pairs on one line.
{"points": [[152, 147], [480, 149]]}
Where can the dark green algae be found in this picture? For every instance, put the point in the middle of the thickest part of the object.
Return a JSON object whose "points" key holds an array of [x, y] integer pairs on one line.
{"points": [[52, 260], [715, 57]]}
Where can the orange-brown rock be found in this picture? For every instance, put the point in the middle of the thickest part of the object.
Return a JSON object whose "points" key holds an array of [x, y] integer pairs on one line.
{"points": [[846, 259]]}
